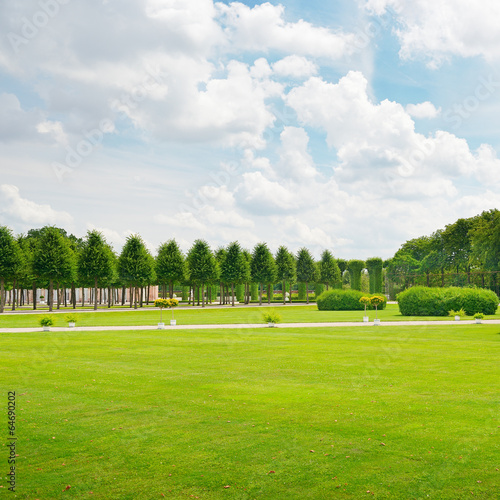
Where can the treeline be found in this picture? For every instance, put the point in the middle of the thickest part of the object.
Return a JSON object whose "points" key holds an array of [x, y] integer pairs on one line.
{"points": [[467, 251], [49, 258]]}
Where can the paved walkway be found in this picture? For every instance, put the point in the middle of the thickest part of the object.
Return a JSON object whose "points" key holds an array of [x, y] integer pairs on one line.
{"points": [[236, 326]]}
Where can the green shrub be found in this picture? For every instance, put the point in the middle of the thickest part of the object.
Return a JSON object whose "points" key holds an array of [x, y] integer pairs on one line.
{"points": [[71, 318], [344, 300], [271, 317], [47, 321], [460, 313], [423, 301]]}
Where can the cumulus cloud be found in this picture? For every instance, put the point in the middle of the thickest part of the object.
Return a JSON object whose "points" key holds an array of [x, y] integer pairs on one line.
{"points": [[376, 143], [436, 31], [15, 208], [423, 110], [263, 28], [295, 67]]}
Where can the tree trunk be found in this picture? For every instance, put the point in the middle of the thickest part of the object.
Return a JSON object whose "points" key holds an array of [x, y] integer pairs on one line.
{"points": [[136, 292], [124, 293], [34, 295], [131, 296], [269, 293], [202, 296], [51, 295], [58, 296], [260, 294], [232, 294], [95, 293], [2, 295], [14, 295], [109, 297], [290, 292]]}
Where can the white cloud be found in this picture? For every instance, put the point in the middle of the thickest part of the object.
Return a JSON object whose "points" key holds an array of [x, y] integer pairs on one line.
{"points": [[376, 143], [18, 209], [17, 124], [302, 234], [423, 110], [260, 195], [263, 28], [295, 67], [295, 161], [436, 31], [181, 219], [55, 129], [114, 238]]}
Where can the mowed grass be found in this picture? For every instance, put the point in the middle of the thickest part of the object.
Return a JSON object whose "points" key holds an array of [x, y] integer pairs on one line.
{"points": [[210, 315], [318, 413]]}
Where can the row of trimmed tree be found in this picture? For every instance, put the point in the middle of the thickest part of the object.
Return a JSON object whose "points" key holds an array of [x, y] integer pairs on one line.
{"points": [[50, 259]]}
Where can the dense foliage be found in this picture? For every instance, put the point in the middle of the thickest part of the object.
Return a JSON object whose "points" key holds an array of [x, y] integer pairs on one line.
{"points": [[423, 301], [466, 252]]}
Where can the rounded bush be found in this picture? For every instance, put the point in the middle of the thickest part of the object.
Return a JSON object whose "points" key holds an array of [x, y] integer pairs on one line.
{"points": [[423, 301], [344, 300]]}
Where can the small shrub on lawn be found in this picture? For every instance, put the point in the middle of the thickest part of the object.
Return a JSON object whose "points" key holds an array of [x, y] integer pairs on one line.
{"points": [[460, 313], [423, 301], [271, 317], [345, 300], [47, 321]]}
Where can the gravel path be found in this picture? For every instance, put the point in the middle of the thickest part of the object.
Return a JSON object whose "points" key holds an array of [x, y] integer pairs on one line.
{"points": [[236, 326]]}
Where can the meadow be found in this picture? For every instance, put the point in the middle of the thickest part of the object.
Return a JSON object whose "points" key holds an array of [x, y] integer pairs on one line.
{"points": [[318, 413]]}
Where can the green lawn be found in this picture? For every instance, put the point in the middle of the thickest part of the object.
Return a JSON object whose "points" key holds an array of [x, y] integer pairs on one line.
{"points": [[319, 413], [213, 316]]}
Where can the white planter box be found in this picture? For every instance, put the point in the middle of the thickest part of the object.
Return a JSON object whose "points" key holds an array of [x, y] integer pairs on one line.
{"points": [[161, 326], [46, 328], [479, 321], [71, 324], [366, 319], [457, 318], [173, 322], [271, 325], [376, 322]]}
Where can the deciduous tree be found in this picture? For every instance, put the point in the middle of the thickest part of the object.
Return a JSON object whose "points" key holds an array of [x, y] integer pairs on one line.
{"points": [[306, 269], [96, 262]]}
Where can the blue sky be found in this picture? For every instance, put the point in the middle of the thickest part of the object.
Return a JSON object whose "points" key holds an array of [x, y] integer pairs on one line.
{"points": [[347, 125]]}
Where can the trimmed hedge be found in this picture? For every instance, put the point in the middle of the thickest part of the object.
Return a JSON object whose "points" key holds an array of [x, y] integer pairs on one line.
{"points": [[345, 300], [423, 301]]}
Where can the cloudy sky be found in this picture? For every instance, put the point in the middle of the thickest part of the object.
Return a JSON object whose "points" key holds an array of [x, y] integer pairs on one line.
{"points": [[348, 125]]}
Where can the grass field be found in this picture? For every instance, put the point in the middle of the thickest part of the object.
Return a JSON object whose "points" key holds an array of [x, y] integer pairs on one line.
{"points": [[319, 413], [226, 315]]}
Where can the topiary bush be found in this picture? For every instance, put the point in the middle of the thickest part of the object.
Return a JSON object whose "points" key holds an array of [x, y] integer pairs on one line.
{"points": [[344, 300], [423, 301]]}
